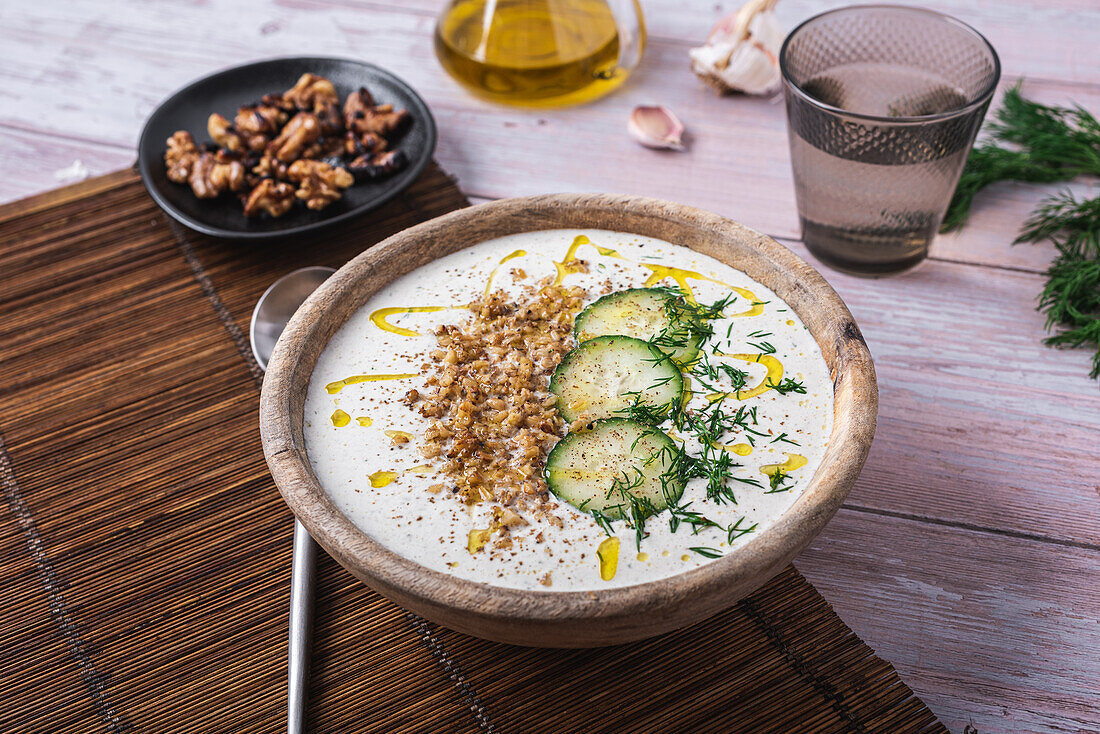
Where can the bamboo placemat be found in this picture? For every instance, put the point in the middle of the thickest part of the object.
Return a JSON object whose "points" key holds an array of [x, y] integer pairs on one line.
{"points": [[145, 553]]}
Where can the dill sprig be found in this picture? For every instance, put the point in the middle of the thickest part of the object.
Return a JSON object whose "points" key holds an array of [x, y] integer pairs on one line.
{"points": [[735, 531], [1048, 144], [787, 385], [1071, 296], [778, 481]]}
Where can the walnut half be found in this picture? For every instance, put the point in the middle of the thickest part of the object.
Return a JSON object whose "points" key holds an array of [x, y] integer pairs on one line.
{"points": [[221, 132], [215, 173], [319, 184], [362, 116], [271, 196], [377, 165], [302, 130], [180, 156], [311, 92]]}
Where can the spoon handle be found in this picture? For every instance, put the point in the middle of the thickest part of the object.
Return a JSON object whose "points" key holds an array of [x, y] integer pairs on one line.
{"points": [[301, 627]]}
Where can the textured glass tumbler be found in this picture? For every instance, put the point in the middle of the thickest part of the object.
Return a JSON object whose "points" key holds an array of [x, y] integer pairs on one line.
{"points": [[883, 103]]}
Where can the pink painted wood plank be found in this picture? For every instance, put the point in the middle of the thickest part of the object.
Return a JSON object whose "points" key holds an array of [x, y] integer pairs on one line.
{"points": [[29, 161], [1034, 38], [992, 631], [738, 164]]}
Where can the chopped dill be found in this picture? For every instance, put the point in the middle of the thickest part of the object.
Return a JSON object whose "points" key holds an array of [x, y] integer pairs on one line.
{"points": [[787, 385], [763, 347], [735, 531], [778, 482], [706, 552], [785, 439], [681, 514], [602, 520]]}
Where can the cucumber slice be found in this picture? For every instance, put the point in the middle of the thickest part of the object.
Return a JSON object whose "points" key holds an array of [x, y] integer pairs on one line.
{"points": [[603, 377], [643, 313], [615, 467]]}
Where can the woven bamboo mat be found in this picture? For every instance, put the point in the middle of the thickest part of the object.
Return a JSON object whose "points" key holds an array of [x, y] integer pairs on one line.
{"points": [[145, 553]]}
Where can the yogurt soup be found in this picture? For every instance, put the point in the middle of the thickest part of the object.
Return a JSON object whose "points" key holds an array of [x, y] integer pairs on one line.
{"points": [[569, 410]]}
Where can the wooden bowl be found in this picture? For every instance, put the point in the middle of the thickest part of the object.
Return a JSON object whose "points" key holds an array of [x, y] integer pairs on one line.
{"points": [[570, 618]]}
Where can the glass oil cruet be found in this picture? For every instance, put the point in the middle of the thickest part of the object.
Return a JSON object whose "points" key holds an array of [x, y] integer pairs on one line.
{"points": [[540, 53]]}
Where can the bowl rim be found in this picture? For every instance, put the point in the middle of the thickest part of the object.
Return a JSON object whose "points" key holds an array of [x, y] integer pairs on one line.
{"points": [[405, 178], [411, 584]]}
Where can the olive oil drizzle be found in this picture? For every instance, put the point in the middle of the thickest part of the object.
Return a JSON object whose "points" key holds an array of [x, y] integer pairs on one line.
{"points": [[493, 274], [793, 462], [569, 264], [608, 553], [378, 317], [334, 387], [771, 379], [681, 277]]}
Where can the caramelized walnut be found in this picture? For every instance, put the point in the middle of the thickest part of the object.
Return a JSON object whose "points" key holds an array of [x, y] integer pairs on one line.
{"points": [[180, 156], [221, 132], [356, 145], [273, 197], [302, 130], [377, 165], [311, 92], [306, 126], [213, 174], [277, 100], [258, 124], [357, 103], [319, 184], [332, 122], [361, 115], [269, 167]]}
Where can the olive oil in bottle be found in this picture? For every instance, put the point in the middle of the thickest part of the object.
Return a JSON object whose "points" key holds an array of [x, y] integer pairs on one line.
{"points": [[539, 53]]}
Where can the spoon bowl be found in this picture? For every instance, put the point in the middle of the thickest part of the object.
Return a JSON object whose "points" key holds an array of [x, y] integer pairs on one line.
{"points": [[278, 303]]}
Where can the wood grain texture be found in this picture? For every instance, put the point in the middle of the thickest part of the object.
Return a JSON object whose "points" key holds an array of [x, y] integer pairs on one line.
{"points": [[155, 599], [568, 618], [737, 164], [994, 631]]}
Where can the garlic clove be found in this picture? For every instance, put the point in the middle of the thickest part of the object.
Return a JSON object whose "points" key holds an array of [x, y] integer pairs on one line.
{"points": [[655, 126], [741, 53]]}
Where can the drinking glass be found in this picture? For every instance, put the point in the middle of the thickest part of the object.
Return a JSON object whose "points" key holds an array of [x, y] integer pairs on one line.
{"points": [[883, 103]]}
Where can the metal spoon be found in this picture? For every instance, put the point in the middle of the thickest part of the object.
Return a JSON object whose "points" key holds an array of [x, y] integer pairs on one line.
{"points": [[269, 318]]}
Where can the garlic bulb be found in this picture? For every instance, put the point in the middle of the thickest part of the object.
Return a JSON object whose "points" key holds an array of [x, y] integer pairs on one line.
{"points": [[742, 51], [656, 127]]}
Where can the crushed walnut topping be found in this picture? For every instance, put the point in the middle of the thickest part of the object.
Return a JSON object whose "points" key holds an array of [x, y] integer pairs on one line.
{"points": [[494, 419]]}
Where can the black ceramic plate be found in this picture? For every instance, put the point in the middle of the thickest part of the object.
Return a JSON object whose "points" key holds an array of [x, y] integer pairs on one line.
{"points": [[227, 90]]}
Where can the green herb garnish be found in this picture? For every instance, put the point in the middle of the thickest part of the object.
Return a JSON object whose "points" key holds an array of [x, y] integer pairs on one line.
{"points": [[1041, 143]]}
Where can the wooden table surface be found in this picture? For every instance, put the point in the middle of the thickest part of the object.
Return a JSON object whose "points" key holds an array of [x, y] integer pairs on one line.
{"points": [[969, 552]]}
